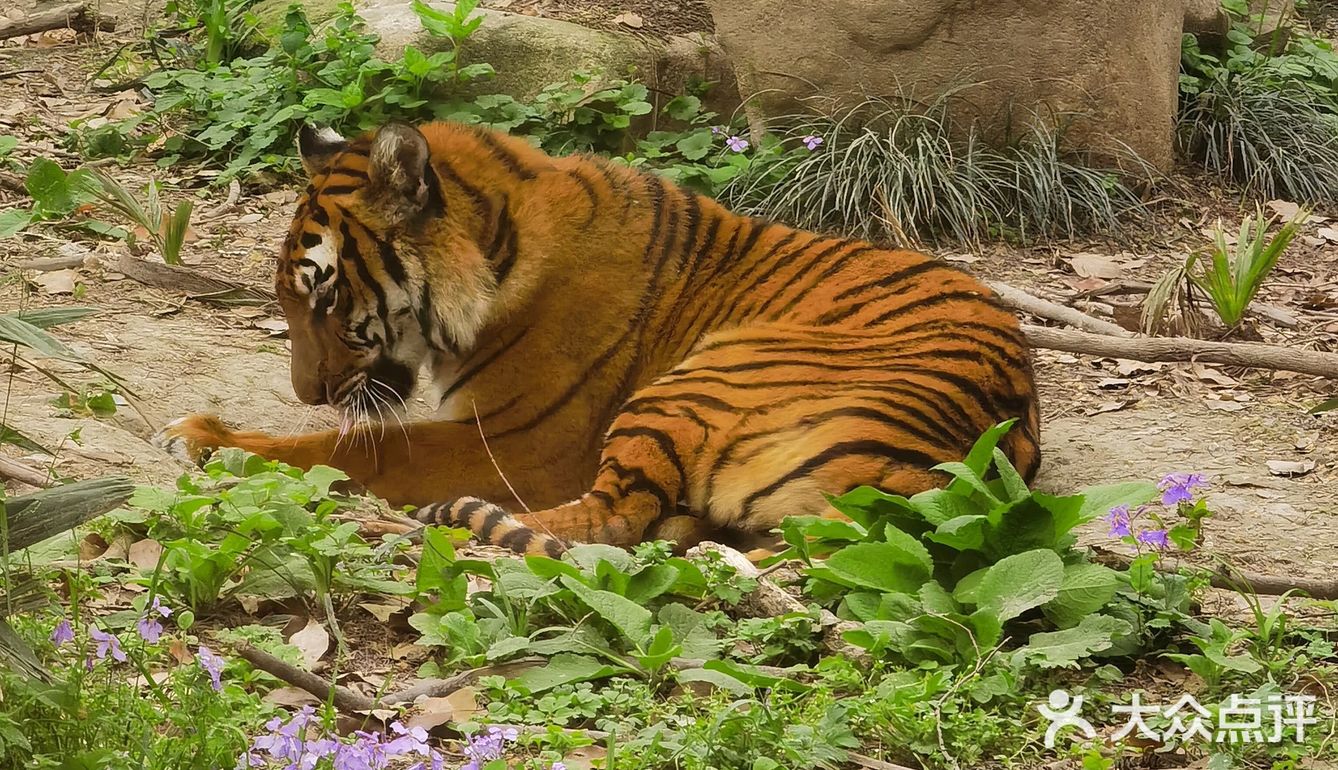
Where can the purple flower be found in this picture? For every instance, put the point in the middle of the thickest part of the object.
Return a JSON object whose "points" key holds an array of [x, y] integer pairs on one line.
{"points": [[812, 142], [106, 643], [214, 666], [64, 632], [736, 143], [150, 630], [558, 766], [717, 130], [408, 740], [1118, 519], [1157, 538], [1177, 488]]}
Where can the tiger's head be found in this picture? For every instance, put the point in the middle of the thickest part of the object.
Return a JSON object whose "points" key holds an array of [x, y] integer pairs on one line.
{"points": [[376, 277]]}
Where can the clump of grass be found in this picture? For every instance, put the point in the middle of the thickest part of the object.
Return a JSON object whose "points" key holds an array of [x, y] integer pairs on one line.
{"points": [[167, 231], [902, 171], [1273, 142], [1227, 276]]}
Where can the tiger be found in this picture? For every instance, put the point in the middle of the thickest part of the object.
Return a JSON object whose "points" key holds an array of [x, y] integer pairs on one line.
{"points": [[618, 358]]}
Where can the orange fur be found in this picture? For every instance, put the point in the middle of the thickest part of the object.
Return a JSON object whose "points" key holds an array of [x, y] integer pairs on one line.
{"points": [[628, 345]]}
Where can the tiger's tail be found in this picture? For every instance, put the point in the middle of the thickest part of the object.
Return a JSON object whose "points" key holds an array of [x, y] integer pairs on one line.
{"points": [[492, 524]]}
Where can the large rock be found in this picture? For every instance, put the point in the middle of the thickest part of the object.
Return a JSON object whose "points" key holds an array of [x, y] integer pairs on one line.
{"points": [[530, 53], [1112, 65]]}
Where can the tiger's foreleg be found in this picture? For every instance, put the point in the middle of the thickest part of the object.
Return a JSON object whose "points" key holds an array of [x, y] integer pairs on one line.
{"points": [[423, 462]]}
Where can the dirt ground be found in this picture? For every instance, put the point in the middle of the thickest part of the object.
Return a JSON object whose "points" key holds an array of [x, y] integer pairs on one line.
{"points": [[654, 17], [1105, 420]]}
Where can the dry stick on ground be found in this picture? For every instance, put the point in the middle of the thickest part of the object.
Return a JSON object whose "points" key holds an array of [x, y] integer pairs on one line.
{"points": [[770, 600], [14, 470], [1234, 579], [1251, 354], [76, 16], [347, 700], [1053, 311]]}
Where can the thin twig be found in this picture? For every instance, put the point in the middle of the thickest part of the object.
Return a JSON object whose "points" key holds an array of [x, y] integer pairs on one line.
{"points": [[479, 422], [1232, 579], [17, 471], [873, 764]]}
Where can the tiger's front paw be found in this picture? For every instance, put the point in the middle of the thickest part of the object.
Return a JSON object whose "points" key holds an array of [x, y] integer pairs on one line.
{"points": [[192, 439]]}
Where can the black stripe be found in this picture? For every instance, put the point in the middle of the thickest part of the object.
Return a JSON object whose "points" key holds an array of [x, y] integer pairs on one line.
{"points": [[517, 540], [832, 269], [318, 213], [662, 440], [589, 189], [493, 519], [460, 517], [700, 399], [476, 197], [865, 447], [577, 385], [481, 365], [638, 481], [933, 300], [390, 260], [509, 261], [347, 171], [310, 240], [694, 223], [890, 279], [505, 156], [348, 252], [340, 189], [657, 188]]}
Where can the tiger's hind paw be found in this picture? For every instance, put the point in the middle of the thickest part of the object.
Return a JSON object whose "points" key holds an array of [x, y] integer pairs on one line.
{"points": [[193, 439]]}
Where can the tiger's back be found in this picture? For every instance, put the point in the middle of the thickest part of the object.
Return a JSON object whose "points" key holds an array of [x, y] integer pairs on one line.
{"points": [[684, 368]]}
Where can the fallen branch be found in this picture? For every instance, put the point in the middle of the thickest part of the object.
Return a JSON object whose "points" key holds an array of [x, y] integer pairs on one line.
{"points": [[871, 763], [347, 700], [769, 600], [343, 698], [75, 16], [35, 517], [13, 470], [187, 281], [1234, 580], [1053, 311], [1252, 354]]}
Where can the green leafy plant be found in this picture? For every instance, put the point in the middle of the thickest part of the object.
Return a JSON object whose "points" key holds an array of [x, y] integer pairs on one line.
{"points": [[256, 527], [1260, 110], [166, 231], [942, 576], [55, 193], [1231, 275]]}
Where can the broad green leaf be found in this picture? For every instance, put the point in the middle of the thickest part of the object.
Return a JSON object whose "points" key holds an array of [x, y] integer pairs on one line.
{"points": [[866, 505], [651, 582], [886, 567], [1323, 406], [660, 651], [1098, 500], [566, 668], [964, 475], [12, 222], [48, 186], [964, 533], [681, 107], [547, 568], [437, 573], [755, 676], [939, 505], [505, 648], [630, 618], [1008, 475], [967, 589], [1086, 589], [978, 458], [690, 630], [588, 556], [1067, 647], [718, 679], [1020, 582], [936, 600], [908, 545], [695, 146]]}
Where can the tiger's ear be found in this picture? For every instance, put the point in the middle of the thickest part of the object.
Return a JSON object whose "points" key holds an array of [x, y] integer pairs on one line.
{"points": [[318, 146], [400, 168]]}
